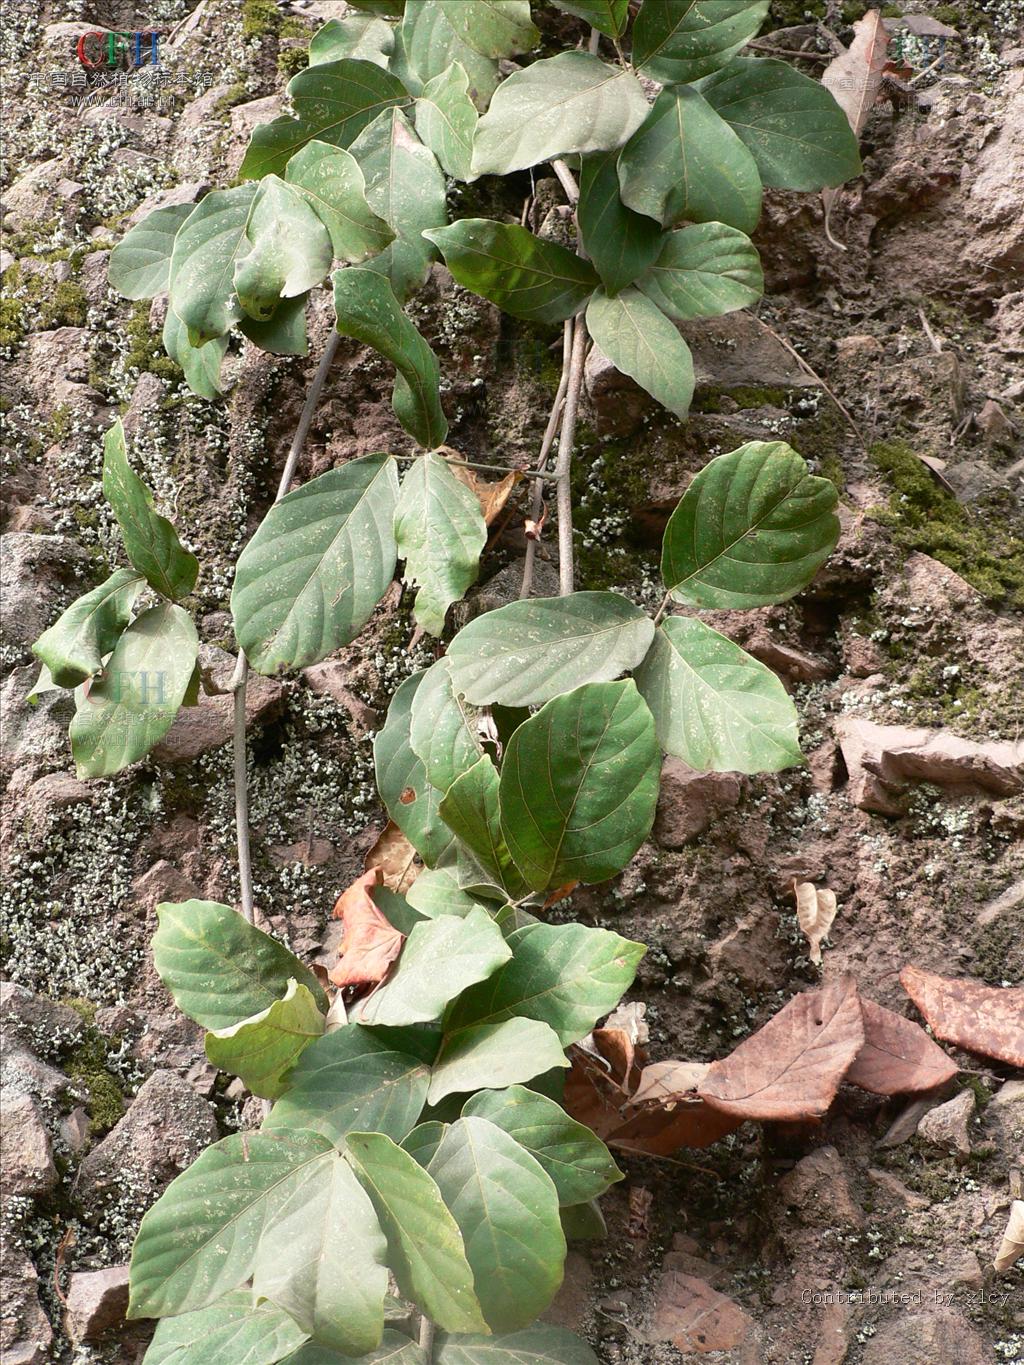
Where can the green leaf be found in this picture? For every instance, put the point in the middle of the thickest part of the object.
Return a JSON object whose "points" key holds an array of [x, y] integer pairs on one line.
{"points": [[584, 1222], [579, 785], [436, 891], [442, 730], [532, 279], [391, 7], [446, 120], [714, 706], [470, 810], [150, 540], [399, 772], [320, 561], [201, 364], [263, 1048], [530, 651], [538, 1345], [506, 1207], [361, 36], [140, 264], [576, 1160], [682, 40], [131, 706], [440, 532], [231, 1331], [430, 45], [642, 342], [395, 1349], [74, 647], [330, 178], [621, 243], [493, 1055], [752, 529], [206, 247], [405, 187], [566, 975], [494, 28], [704, 271], [334, 102], [201, 1237], [367, 309], [220, 969], [795, 131], [351, 1079], [607, 16], [283, 334], [291, 249], [570, 103], [323, 1260], [686, 162], [426, 1252], [424, 1141], [440, 958]]}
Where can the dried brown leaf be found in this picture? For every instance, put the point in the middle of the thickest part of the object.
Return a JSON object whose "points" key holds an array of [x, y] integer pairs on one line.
{"points": [[371, 943], [666, 1112], [988, 1020], [815, 911], [898, 1057], [1011, 1248], [855, 76], [395, 858], [492, 496]]}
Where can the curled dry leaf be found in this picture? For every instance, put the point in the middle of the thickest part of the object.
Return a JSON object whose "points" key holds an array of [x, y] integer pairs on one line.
{"points": [[791, 1068], [395, 858], [371, 944], [854, 78], [492, 496], [815, 911], [1011, 1248], [988, 1020], [898, 1057]]}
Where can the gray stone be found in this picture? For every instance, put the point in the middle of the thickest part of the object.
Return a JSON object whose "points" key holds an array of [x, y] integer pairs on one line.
{"points": [[34, 570], [28, 1167], [198, 729], [690, 800], [25, 1332], [937, 1337], [22, 1071], [40, 194], [619, 403], [35, 1021], [818, 1190], [947, 1125], [97, 1302], [329, 679], [33, 734]]}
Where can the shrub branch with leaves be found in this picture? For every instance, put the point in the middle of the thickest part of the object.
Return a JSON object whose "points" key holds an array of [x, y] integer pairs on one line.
{"points": [[413, 1139]]}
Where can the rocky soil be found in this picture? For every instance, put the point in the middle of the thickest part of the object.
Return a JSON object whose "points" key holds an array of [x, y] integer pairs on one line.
{"points": [[866, 1240]]}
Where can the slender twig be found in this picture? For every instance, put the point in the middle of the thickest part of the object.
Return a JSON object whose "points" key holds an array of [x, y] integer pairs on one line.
{"points": [[567, 181], [665, 601], [563, 467], [427, 1339], [550, 432], [539, 473]]}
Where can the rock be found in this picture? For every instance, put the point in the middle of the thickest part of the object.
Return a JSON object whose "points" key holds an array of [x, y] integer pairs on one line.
{"points": [[244, 118], [853, 350], [904, 1126], [75, 1129], [862, 656], [947, 1125], [23, 1072], [817, 1189], [690, 801], [185, 193], [882, 759], [34, 1021], [97, 1302], [57, 372], [734, 351], [33, 734], [696, 1318], [198, 729], [329, 680], [163, 882], [937, 1337], [619, 403], [888, 1182], [994, 424], [35, 573], [25, 1332], [41, 193], [28, 1167], [995, 199]]}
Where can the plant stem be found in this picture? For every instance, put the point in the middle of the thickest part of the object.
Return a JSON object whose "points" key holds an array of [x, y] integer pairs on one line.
{"points": [[427, 1339], [537, 502], [539, 473], [563, 467]]}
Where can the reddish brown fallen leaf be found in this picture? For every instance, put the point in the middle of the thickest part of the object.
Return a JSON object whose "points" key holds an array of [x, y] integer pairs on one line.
{"points": [[791, 1068], [1011, 1249], [371, 944], [559, 895], [854, 78], [492, 496], [395, 858], [988, 1020], [815, 910], [666, 1112], [898, 1057]]}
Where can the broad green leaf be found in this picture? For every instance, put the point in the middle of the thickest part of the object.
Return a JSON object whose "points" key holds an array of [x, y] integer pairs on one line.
{"points": [[494, 28], [446, 120], [397, 910], [703, 271], [43, 683], [232, 1331], [429, 45], [221, 969], [405, 187], [621, 243], [682, 40], [206, 247], [426, 1252], [320, 561], [714, 706], [150, 540], [331, 180], [367, 309], [607, 16], [395, 1349], [424, 1141], [493, 1055], [570, 103], [642, 342], [576, 1160], [795, 131], [440, 959], [753, 528], [436, 891], [74, 647], [532, 279], [442, 730], [470, 810], [440, 533], [263, 1048], [200, 1239], [140, 264], [528, 652], [579, 784], [506, 1207], [565, 975], [388, 7], [334, 102], [542, 1344], [283, 334], [323, 1260], [401, 776], [201, 364], [584, 1222], [351, 1080], [686, 162], [362, 36], [290, 249], [122, 713]]}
